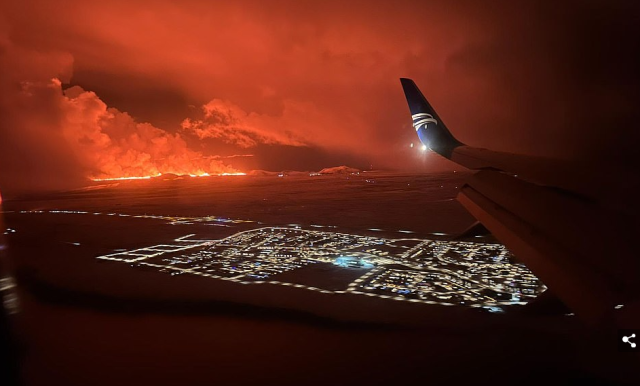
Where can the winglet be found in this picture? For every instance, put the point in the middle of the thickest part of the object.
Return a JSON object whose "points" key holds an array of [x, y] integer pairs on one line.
{"points": [[429, 127]]}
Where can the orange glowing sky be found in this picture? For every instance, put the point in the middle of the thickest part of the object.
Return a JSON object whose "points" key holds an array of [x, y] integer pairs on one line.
{"points": [[129, 89]]}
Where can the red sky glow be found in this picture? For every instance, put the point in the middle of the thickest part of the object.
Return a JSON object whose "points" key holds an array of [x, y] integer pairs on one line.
{"points": [[125, 89]]}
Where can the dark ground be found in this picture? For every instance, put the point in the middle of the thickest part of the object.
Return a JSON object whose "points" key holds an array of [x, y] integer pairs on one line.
{"points": [[87, 323]]}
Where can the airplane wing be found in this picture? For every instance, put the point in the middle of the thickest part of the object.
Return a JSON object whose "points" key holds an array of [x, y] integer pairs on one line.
{"points": [[581, 248]]}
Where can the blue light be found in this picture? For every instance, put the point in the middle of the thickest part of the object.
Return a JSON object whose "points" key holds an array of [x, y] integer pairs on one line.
{"points": [[352, 262]]}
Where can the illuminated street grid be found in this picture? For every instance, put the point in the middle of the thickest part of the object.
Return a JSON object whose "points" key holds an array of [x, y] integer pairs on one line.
{"points": [[407, 269], [414, 270]]}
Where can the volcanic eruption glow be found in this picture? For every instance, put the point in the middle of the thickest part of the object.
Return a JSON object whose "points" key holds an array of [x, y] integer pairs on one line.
{"points": [[126, 178], [108, 144], [160, 174]]}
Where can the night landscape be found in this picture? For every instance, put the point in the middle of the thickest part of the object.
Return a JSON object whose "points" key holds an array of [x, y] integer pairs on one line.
{"points": [[319, 193]]}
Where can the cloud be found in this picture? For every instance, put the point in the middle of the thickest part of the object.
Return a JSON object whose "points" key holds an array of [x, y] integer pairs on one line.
{"points": [[55, 139], [224, 120], [110, 143], [33, 151], [298, 124]]}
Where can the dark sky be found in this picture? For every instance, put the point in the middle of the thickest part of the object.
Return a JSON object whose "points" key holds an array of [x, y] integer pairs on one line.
{"points": [[121, 88]]}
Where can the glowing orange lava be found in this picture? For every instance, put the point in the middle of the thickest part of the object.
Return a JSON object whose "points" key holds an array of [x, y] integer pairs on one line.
{"points": [[218, 174], [126, 178], [160, 174]]}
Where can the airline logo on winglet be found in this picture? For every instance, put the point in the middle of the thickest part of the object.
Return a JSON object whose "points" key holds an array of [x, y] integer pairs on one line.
{"points": [[422, 119]]}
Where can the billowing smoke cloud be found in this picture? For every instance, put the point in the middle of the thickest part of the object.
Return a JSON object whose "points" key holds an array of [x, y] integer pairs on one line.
{"points": [[52, 138], [110, 143], [100, 142], [298, 124], [33, 151], [224, 120]]}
